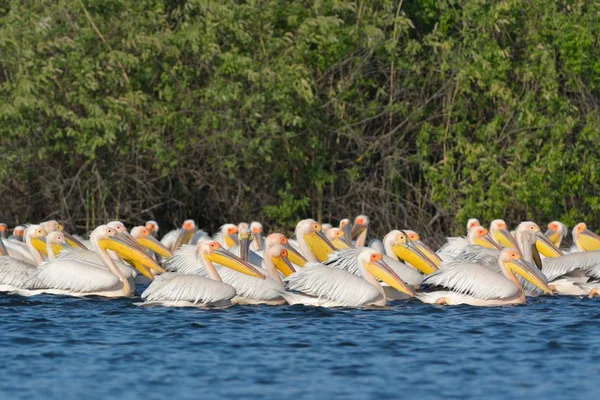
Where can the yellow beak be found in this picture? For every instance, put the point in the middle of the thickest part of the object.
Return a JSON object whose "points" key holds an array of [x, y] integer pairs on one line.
{"points": [[384, 273], [588, 240], [415, 257], [185, 236], [229, 260], [505, 239], [283, 265], [72, 241], [320, 246], [154, 245], [138, 259], [553, 236], [428, 253], [546, 247], [486, 241], [522, 269], [294, 256], [39, 245]]}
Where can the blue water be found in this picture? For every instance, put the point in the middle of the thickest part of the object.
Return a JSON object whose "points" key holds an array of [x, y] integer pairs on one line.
{"points": [[66, 348]]}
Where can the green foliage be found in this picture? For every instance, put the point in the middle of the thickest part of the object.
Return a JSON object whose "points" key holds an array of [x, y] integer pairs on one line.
{"points": [[420, 114]]}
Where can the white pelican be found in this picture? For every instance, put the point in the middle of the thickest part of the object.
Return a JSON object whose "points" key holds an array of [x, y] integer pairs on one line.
{"points": [[53, 225], [416, 239], [312, 242], [398, 246], [144, 237], [227, 235], [474, 284], [584, 239], [472, 223], [258, 243], [293, 255], [179, 290], [322, 286], [326, 227], [360, 230], [347, 228], [16, 273], [17, 233], [455, 245], [337, 237], [556, 232], [500, 234], [73, 277], [153, 227], [3, 230], [178, 237]]}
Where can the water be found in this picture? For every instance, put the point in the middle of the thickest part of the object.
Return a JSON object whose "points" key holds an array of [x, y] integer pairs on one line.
{"points": [[66, 348]]}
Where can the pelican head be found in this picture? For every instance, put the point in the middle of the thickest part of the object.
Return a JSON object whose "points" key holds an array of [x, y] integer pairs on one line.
{"points": [[372, 262], [279, 256], [34, 235], [259, 239], [345, 226], [143, 236], [3, 230], [416, 240], [361, 223], [122, 230], [105, 238], [337, 237], [152, 226], [543, 244], [188, 228], [479, 236], [55, 243], [211, 251], [245, 238], [584, 239], [53, 226], [18, 232], [511, 263], [501, 235], [472, 223], [229, 234], [309, 231], [398, 243], [556, 232], [293, 254], [243, 225]]}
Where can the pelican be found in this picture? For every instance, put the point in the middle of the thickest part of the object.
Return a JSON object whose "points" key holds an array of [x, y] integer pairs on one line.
{"points": [[455, 245], [144, 237], [227, 235], [17, 234], [53, 225], [312, 242], [360, 230], [152, 227], [398, 246], [501, 235], [584, 239], [346, 227], [259, 240], [556, 232], [178, 290], [55, 243], [250, 290], [294, 255], [474, 284], [3, 230], [322, 286], [337, 237], [73, 277], [416, 239], [243, 225], [472, 223], [16, 273], [178, 237]]}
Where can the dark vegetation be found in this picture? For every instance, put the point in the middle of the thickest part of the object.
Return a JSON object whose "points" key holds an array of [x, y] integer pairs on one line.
{"points": [[417, 113]]}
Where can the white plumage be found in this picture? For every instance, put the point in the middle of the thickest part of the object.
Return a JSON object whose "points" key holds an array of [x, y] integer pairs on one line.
{"points": [[472, 279], [176, 289], [320, 285], [75, 276], [15, 273], [559, 266]]}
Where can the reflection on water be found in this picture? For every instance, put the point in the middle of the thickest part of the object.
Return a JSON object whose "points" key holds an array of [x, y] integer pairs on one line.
{"points": [[56, 347]]}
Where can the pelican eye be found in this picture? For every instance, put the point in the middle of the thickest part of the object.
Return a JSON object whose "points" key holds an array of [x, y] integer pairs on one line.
{"points": [[376, 257], [284, 253]]}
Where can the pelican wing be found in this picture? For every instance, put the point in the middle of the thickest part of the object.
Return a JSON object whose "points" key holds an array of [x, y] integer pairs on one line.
{"points": [[345, 259], [90, 257], [472, 279], [172, 286], [170, 238], [453, 246], [332, 284], [75, 276], [563, 265], [251, 287], [16, 272], [185, 261], [480, 255], [18, 250]]}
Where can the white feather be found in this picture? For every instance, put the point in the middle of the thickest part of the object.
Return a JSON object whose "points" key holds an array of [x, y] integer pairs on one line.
{"points": [[15, 272], [173, 287], [559, 266], [75, 276]]}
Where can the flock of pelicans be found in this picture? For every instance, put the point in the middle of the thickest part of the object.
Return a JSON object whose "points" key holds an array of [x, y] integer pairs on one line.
{"points": [[322, 266]]}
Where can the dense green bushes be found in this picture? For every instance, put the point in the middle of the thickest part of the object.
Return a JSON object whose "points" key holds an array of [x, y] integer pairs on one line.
{"points": [[419, 114]]}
